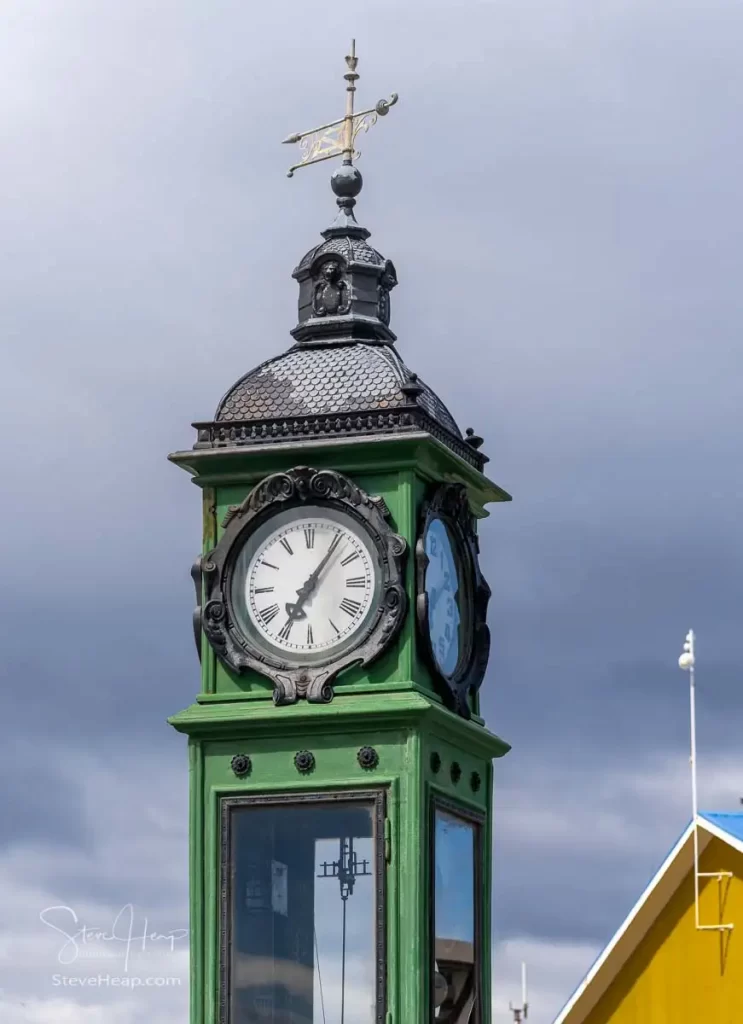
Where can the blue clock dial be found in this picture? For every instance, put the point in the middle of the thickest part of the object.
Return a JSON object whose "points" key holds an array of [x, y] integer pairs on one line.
{"points": [[443, 589]]}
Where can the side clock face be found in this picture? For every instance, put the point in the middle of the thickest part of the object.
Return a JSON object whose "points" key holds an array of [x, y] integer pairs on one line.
{"points": [[306, 583], [452, 596], [449, 613]]}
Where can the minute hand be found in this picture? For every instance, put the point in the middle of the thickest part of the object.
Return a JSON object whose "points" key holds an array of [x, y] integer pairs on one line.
{"points": [[295, 610]]}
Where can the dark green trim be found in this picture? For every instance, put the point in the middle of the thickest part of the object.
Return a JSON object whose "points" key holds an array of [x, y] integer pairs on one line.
{"points": [[196, 868], [370, 711], [226, 466]]}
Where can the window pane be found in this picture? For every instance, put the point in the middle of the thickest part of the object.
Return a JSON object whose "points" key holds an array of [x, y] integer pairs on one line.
{"points": [[455, 991], [302, 917]]}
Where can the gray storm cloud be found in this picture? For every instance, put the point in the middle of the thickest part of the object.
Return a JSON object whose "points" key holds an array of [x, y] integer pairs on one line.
{"points": [[568, 261]]}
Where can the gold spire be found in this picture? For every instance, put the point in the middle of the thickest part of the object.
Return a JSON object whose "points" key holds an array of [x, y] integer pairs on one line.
{"points": [[337, 137]]}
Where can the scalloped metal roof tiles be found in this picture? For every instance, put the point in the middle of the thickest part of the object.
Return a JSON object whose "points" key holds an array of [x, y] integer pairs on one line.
{"points": [[334, 379], [355, 250]]}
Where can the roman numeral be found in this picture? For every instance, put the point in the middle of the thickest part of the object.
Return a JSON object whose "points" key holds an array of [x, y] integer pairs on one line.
{"points": [[333, 625], [350, 607], [285, 544], [349, 558], [336, 541], [269, 566], [356, 581], [286, 629], [309, 536], [310, 638], [269, 613], [263, 590]]}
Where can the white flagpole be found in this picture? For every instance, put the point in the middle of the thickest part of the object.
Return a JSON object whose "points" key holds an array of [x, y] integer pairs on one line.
{"points": [[521, 1012], [686, 662]]}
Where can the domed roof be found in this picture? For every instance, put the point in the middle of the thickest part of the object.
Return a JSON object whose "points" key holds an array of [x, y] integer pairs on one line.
{"points": [[342, 377], [331, 381]]}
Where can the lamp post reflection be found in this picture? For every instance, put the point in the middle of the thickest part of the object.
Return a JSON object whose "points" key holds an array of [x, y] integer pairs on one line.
{"points": [[346, 869], [292, 958]]}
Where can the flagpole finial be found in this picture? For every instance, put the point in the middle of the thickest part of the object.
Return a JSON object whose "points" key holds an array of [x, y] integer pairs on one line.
{"points": [[686, 661], [337, 138]]}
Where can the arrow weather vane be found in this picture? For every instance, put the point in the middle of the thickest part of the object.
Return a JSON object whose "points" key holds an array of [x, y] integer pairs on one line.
{"points": [[337, 138]]}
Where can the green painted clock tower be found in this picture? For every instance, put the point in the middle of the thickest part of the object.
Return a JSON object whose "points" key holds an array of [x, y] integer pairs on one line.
{"points": [[340, 773]]}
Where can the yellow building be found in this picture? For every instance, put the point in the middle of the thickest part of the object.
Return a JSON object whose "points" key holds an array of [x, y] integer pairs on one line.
{"points": [[659, 968]]}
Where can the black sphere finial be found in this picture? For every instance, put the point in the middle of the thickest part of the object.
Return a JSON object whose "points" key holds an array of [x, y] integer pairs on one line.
{"points": [[346, 181]]}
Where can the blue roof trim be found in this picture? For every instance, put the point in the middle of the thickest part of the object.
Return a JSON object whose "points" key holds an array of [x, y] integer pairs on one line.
{"points": [[731, 822]]}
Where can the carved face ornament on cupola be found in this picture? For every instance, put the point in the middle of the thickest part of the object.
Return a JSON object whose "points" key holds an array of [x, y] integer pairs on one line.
{"points": [[331, 291]]}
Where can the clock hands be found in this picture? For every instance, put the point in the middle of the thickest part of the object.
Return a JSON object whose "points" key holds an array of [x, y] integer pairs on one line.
{"points": [[295, 610], [309, 585]]}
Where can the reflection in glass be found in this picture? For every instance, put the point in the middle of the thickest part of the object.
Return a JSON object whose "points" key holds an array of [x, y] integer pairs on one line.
{"points": [[302, 913], [454, 982], [442, 588]]}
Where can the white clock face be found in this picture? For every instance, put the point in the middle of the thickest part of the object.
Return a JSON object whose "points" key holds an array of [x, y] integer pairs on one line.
{"points": [[309, 585]]}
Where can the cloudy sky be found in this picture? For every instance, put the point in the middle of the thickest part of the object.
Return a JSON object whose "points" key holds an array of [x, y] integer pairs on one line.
{"points": [[560, 190]]}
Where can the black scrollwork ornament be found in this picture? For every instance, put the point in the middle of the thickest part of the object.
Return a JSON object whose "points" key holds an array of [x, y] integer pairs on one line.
{"points": [[450, 504], [368, 758], [387, 282], [475, 782], [301, 679], [196, 618], [455, 772], [304, 762], [241, 765]]}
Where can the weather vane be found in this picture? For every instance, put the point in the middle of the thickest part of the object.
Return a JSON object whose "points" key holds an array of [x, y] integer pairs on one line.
{"points": [[337, 137]]}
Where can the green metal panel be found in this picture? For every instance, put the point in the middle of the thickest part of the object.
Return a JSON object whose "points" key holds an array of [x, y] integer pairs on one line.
{"points": [[405, 729], [393, 706], [402, 483], [224, 466]]}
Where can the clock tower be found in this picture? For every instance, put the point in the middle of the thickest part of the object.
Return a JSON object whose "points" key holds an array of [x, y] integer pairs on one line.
{"points": [[340, 773]]}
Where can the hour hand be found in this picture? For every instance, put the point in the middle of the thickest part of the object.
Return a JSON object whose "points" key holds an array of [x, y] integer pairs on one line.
{"points": [[295, 611]]}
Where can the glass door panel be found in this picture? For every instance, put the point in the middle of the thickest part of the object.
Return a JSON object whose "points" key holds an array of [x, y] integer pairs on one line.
{"points": [[455, 918], [301, 920]]}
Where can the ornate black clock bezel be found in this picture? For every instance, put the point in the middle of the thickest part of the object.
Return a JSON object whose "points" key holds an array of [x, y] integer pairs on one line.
{"points": [[213, 574], [450, 504]]}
